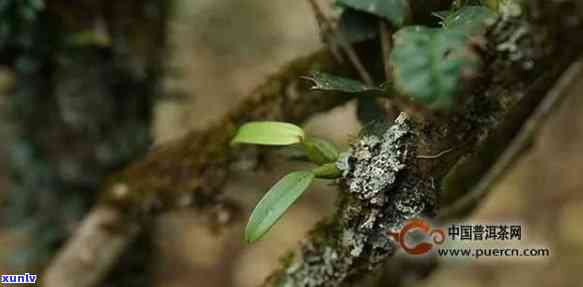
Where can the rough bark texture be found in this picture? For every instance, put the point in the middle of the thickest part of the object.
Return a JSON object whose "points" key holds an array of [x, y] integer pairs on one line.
{"points": [[379, 194], [385, 183]]}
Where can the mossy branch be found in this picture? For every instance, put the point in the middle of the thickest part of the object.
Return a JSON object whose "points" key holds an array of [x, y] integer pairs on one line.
{"points": [[188, 172], [197, 165]]}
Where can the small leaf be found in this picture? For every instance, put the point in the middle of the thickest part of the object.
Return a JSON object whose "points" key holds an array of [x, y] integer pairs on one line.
{"points": [[276, 202], [319, 150], [396, 11], [327, 82], [268, 133], [428, 64], [470, 19], [357, 26]]}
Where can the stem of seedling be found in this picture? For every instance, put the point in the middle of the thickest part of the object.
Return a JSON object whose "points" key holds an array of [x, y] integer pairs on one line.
{"points": [[327, 171]]}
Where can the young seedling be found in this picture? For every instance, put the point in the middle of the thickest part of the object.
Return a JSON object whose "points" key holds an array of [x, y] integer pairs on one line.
{"points": [[287, 190]]}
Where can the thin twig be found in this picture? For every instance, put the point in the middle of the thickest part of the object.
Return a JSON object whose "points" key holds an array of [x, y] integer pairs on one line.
{"points": [[330, 33], [435, 155], [354, 59], [519, 144], [327, 33], [386, 37], [387, 46]]}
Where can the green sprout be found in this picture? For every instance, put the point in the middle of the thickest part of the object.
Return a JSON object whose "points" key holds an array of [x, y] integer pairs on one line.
{"points": [[288, 189]]}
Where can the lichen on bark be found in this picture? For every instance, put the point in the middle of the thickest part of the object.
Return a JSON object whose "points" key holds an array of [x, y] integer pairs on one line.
{"points": [[521, 63], [370, 207]]}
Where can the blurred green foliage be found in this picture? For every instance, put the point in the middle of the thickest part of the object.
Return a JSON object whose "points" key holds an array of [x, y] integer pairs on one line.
{"points": [[17, 16], [396, 11], [428, 64]]}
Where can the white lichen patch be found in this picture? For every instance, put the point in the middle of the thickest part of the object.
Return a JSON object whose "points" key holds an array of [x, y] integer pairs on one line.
{"points": [[512, 36], [343, 163], [370, 220], [354, 242], [372, 163], [509, 8], [410, 207], [319, 267]]}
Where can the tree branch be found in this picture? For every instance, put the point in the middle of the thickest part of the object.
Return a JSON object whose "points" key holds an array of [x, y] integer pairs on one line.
{"points": [[384, 182], [517, 147], [189, 172], [84, 257]]}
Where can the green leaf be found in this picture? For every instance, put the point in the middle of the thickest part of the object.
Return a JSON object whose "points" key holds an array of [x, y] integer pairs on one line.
{"points": [[428, 64], [269, 133], [470, 19], [396, 11], [276, 202], [327, 82], [319, 150]]}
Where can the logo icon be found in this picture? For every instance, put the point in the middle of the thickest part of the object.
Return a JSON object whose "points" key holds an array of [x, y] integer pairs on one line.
{"points": [[431, 236]]}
